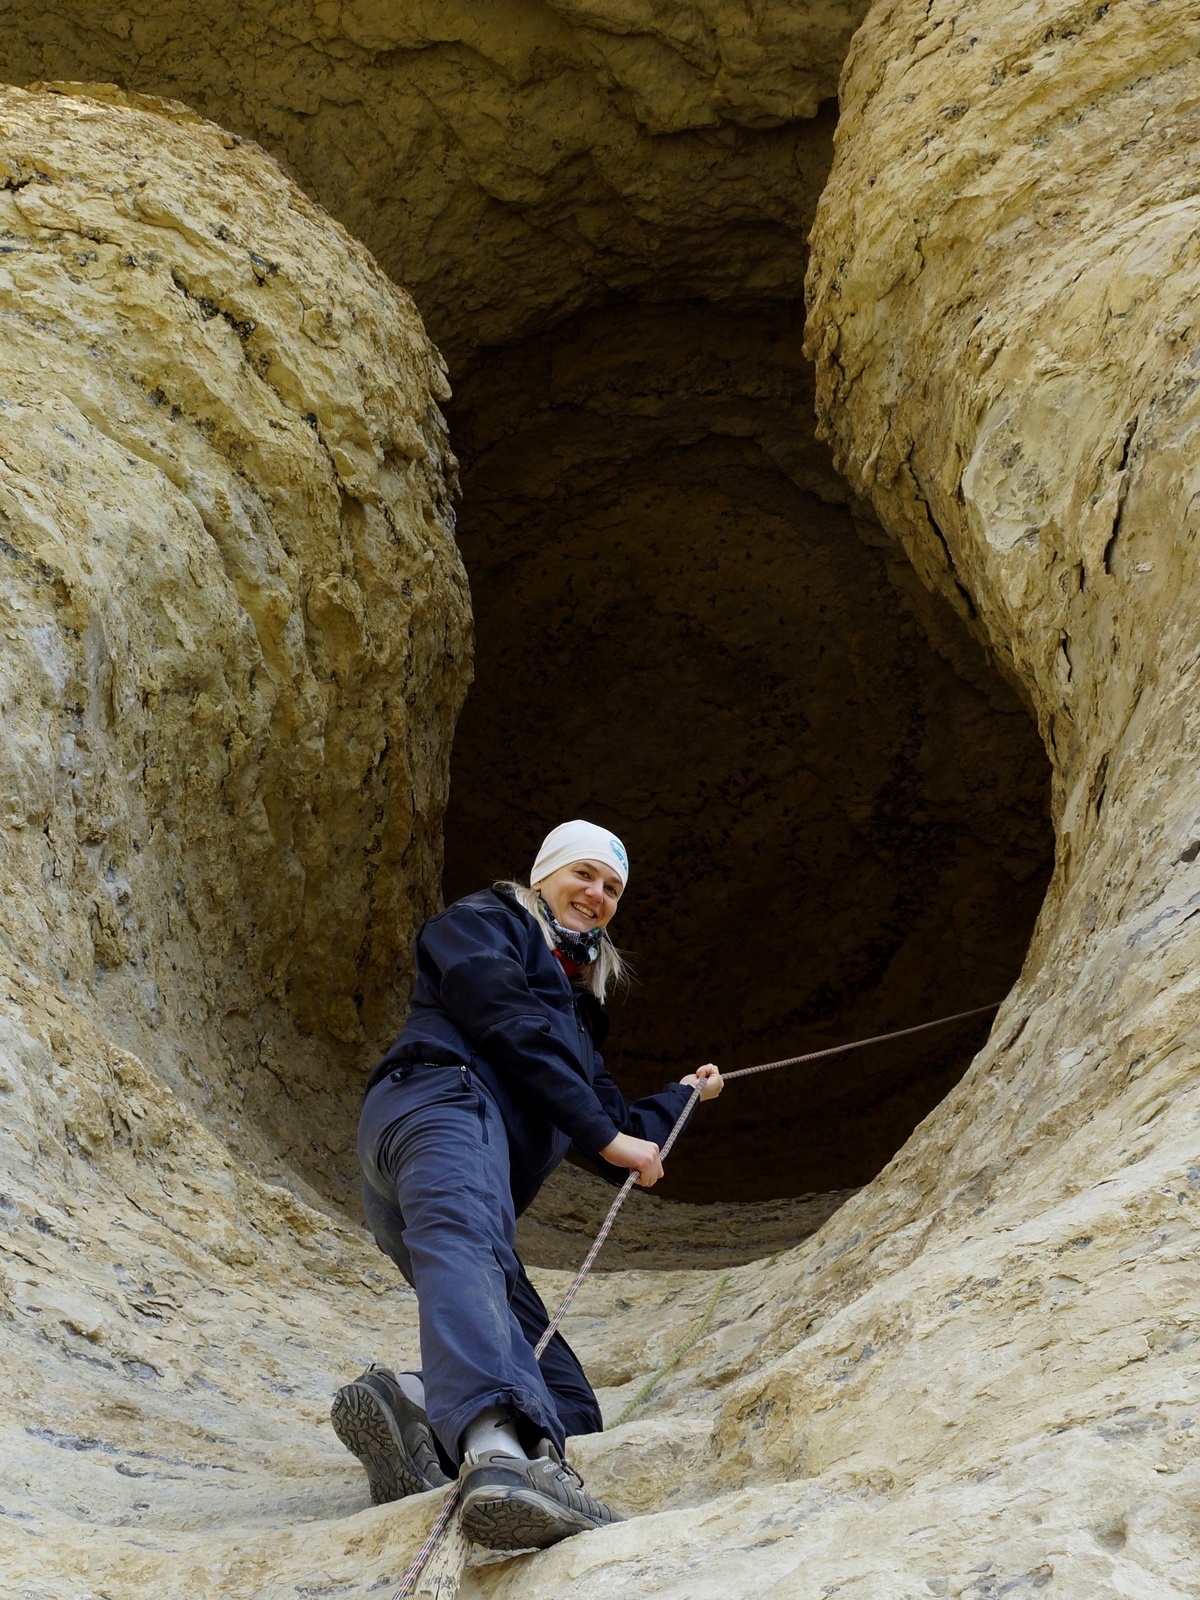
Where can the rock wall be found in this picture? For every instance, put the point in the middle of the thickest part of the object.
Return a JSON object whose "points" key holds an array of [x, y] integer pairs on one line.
{"points": [[509, 161], [236, 638], [978, 1378], [235, 618]]}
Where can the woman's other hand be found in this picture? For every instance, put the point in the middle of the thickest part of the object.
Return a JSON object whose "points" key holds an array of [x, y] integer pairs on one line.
{"points": [[638, 1155], [707, 1079]]}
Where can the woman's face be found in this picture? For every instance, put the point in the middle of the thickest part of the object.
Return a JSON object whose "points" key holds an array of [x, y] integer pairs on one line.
{"points": [[583, 895]]}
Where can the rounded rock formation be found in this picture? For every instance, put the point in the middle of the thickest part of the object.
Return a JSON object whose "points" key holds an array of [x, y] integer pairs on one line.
{"points": [[237, 623]]}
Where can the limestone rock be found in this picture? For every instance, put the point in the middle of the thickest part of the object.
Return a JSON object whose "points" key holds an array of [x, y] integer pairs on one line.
{"points": [[978, 1377], [507, 162], [235, 618], [236, 637], [1002, 310]]}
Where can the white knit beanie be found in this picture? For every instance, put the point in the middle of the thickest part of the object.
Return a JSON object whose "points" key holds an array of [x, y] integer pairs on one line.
{"points": [[580, 841]]}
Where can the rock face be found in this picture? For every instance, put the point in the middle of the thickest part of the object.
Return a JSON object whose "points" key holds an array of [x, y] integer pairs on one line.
{"points": [[509, 162], [236, 638], [235, 618], [654, 1232], [978, 1378]]}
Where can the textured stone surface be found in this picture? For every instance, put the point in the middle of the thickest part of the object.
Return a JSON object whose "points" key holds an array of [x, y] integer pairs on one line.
{"points": [[235, 639], [979, 1377], [508, 161], [234, 616]]}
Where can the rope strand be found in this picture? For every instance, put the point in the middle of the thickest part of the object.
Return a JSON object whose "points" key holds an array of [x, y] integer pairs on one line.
{"points": [[432, 1539], [857, 1044], [742, 1072], [676, 1355], [606, 1228]]}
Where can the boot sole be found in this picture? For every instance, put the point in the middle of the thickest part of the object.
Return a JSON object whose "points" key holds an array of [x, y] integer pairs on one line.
{"points": [[519, 1519], [367, 1430]]}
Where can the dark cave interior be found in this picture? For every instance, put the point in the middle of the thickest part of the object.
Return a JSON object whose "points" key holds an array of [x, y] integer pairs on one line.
{"points": [[835, 808]]}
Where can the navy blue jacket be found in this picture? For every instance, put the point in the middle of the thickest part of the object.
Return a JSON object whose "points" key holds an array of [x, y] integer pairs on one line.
{"points": [[491, 994]]}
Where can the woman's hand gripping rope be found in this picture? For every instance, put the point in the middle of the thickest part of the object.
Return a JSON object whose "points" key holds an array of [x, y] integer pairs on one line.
{"points": [[707, 1079], [710, 1079], [642, 1157]]}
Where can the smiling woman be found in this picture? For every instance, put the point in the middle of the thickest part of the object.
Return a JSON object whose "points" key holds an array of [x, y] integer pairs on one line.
{"points": [[575, 882], [496, 1074], [581, 896]]}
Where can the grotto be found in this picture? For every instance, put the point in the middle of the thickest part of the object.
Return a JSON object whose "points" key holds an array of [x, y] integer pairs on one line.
{"points": [[385, 386]]}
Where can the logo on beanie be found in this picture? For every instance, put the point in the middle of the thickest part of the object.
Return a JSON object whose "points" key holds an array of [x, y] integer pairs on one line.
{"points": [[618, 850]]}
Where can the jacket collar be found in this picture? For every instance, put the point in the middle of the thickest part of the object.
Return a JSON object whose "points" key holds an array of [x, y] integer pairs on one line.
{"points": [[590, 1010]]}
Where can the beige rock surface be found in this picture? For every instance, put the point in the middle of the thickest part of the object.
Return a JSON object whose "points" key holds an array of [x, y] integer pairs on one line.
{"points": [[653, 1233], [509, 161], [234, 615], [979, 1378], [235, 632]]}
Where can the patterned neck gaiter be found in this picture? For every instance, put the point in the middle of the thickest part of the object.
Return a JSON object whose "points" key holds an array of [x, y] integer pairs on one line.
{"points": [[576, 946]]}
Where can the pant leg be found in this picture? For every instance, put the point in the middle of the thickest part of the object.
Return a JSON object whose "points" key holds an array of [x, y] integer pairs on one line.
{"points": [[432, 1142], [387, 1227], [574, 1399]]}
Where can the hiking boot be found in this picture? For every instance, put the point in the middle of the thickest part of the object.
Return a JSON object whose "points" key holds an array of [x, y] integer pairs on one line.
{"points": [[390, 1435], [509, 1504]]}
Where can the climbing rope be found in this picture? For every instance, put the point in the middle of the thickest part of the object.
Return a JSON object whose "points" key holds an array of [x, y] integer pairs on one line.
{"points": [[606, 1228], [857, 1044], [742, 1072], [433, 1537]]}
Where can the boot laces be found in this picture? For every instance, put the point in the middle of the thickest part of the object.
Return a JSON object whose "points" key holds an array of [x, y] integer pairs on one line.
{"points": [[563, 1470]]}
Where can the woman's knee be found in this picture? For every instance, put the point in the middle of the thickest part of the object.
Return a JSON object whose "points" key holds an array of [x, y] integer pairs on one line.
{"points": [[386, 1226]]}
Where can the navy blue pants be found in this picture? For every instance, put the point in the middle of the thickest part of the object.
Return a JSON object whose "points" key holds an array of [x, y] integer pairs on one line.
{"points": [[438, 1200]]}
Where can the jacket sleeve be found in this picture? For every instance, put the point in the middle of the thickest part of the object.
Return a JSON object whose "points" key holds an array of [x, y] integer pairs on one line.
{"points": [[483, 988], [652, 1117]]}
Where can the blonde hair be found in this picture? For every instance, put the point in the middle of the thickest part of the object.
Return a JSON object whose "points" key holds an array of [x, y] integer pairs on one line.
{"points": [[600, 976]]}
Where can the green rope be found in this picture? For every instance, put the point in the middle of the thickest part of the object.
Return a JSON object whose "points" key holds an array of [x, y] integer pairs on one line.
{"points": [[674, 1360]]}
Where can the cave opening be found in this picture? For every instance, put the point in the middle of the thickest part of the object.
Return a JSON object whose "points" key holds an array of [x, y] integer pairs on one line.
{"points": [[685, 624], [686, 627], [835, 806]]}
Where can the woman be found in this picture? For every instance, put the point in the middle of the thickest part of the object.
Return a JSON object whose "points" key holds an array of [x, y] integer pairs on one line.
{"points": [[496, 1074]]}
